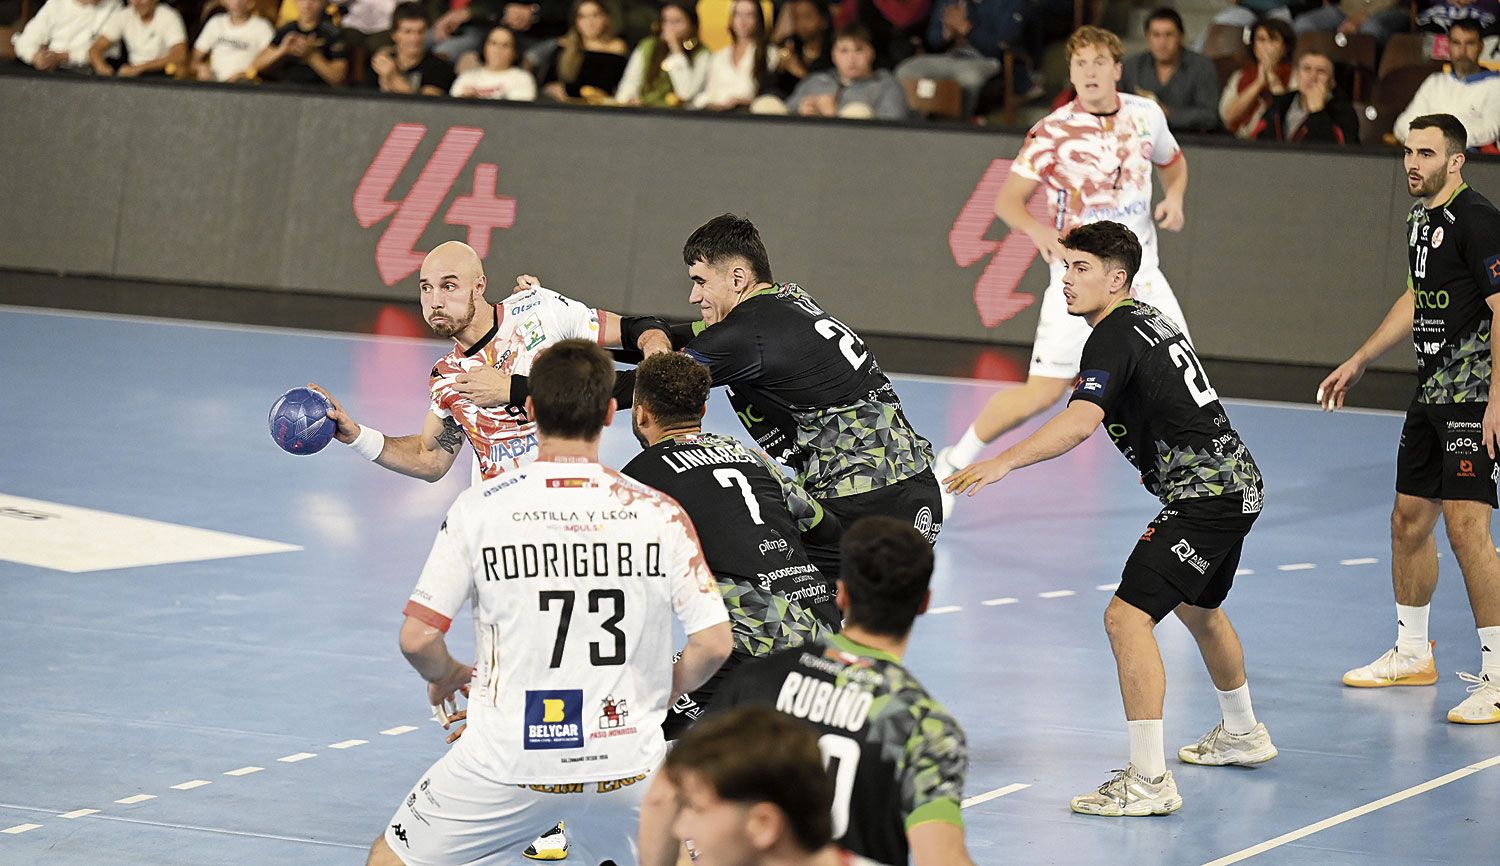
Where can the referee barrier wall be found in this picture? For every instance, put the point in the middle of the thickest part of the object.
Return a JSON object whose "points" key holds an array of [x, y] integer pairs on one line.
{"points": [[1289, 255]]}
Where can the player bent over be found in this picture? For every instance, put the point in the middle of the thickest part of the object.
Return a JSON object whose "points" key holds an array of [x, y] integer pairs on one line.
{"points": [[572, 570], [1142, 380]]}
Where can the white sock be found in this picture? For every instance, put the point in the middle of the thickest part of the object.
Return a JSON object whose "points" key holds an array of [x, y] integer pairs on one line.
{"points": [[1239, 716], [1411, 630], [967, 449], [1489, 652], [1147, 752]]}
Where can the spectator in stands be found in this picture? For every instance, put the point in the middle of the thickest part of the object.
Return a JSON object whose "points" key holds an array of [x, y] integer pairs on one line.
{"points": [[896, 27], [499, 77], [1465, 91], [740, 71], [1183, 82], [408, 67], [1378, 18], [1315, 111], [668, 68], [230, 42], [308, 51], [802, 43], [371, 20], [854, 87], [1267, 75], [1245, 13], [154, 37], [61, 33], [967, 38], [589, 55], [1436, 16]]}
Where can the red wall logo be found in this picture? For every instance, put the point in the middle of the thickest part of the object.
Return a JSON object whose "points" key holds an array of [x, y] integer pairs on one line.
{"points": [[481, 210], [995, 294]]}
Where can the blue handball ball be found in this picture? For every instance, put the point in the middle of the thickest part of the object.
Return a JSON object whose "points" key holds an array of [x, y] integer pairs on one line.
{"points": [[300, 422]]}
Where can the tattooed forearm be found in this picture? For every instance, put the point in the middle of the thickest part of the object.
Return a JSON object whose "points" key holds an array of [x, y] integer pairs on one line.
{"points": [[452, 436]]}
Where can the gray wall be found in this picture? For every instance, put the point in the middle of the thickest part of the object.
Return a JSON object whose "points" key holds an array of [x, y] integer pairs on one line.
{"points": [[1288, 255]]}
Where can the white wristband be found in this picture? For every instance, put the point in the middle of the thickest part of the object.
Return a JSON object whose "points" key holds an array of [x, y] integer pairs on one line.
{"points": [[369, 443]]}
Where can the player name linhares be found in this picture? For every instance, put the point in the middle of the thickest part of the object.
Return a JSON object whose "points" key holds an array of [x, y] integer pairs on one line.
{"points": [[572, 559], [821, 702], [707, 455]]}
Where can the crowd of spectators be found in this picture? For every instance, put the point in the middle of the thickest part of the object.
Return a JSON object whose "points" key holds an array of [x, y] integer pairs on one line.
{"points": [[847, 58]]}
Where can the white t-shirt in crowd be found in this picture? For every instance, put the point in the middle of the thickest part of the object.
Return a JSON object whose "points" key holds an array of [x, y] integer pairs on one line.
{"points": [[66, 26], [574, 573], [513, 83], [146, 41], [729, 81], [231, 47]]}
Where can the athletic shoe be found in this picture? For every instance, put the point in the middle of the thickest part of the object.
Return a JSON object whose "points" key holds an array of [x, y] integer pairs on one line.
{"points": [[1219, 747], [1482, 706], [942, 467], [551, 845], [1129, 794], [1395, 669]]}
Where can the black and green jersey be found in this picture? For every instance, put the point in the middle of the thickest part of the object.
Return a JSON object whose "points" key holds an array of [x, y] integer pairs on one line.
{"points": [[1160, 411], [811, 392], [750, 520], [898, 758], [1453, 251]]}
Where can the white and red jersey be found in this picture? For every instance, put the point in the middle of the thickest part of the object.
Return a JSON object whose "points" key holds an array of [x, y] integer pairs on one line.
{"points": [[525, 324], [573, 571], [1098, 166]]}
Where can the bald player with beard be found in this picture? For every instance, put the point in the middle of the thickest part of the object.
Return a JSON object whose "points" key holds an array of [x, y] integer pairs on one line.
{"points": [[505, 336]]}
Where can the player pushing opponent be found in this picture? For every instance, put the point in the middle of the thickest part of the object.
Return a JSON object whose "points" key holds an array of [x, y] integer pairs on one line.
{"points": [[1142, 380]]}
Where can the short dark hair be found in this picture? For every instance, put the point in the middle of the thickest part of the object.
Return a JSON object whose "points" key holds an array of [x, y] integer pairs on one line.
{"points": [[886, 566], [409, 11], [571, 383], [1115, 245], [1282, 30], [754, 754], [726, 237], [672, 387], [1470, 24], [1163, 13], [1455, 136], [855, 31]]}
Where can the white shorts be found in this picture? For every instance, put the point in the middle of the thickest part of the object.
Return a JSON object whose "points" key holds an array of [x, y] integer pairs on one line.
{"points": [[455, 817], [1060, 337]]}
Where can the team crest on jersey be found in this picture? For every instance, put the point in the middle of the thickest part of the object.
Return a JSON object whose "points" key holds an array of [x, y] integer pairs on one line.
{"points": [[532, 332], [570, 482], [553, 720], [1091, 381], [1492, 267], [1437, 237]]}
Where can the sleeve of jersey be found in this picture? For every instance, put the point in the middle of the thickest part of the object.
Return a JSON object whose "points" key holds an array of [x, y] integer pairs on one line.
{"points": [[1483, 251], [695, 593], [445, 580], [576, 321], [1104, 369], [815, 524], [1037, 153], [937, 763], [1164, 147], [731, 354], [441, 391]]}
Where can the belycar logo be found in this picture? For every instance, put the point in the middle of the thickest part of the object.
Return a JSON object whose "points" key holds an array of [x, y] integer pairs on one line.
{"points": [[554, 719], [480, 209]]}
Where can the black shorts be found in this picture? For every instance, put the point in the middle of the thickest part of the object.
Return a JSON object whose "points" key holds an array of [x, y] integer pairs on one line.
{"points": [[694, 705], [1188, 555], [917, 500], [1442, 454]]}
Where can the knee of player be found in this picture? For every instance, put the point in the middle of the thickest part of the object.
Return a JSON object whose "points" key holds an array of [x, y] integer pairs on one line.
{"points": [[1408, 529], [1120, 617], [1469, 534]]}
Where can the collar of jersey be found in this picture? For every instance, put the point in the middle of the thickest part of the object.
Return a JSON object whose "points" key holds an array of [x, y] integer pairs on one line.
{"points": [[489, 335], [1461, 188], [860, 649], [1473, 78]]}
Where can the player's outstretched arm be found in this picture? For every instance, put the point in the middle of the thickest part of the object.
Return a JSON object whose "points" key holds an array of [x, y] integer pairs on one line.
{"points": [[644, 333], [704, 653], [1057, 437], [1394, 328], [938, 843], [428, 455], [1010, 206]]}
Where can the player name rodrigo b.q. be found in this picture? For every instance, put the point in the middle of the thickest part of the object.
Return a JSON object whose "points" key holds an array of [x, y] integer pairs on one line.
{"points": [[572, 559]]}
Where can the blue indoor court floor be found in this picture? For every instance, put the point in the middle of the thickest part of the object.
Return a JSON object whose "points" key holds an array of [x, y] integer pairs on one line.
{"points": [[198, 659]]}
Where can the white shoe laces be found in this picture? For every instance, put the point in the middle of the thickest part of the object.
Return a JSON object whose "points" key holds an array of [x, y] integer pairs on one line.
{"points": [[1479, 683], [1206, 742]]}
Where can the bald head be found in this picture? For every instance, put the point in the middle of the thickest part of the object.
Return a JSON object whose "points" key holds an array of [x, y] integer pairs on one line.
{"points": [[452, 287], [452, 257]]}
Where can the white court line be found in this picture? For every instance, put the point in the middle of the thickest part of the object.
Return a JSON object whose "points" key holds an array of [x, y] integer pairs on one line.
{"points": [[347, 744], [124, 819], [1241, 572], [79, 813], [952, 608], [138, 798], [1363, 560], [1354, 813], [993, 795], [398, 730], [991, 602], [20, 828], [1296, 566], [244, 771], [300, 756], [1056, 593], [188, 786], [1107, 587]]}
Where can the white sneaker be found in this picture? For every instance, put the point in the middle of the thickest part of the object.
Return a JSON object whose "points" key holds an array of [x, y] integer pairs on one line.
{"points": [[1395, 669], [551, 845], [1219, 747], [1129, 794], [1482, 706], [942, 467]]}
